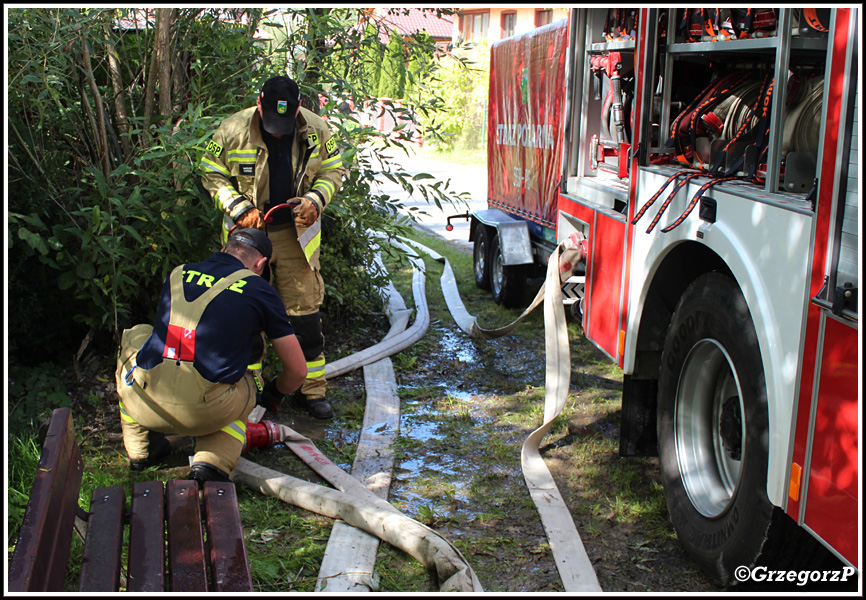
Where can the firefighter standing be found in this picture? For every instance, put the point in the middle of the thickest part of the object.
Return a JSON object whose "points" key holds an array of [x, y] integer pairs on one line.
{"points": [[264, 157], [187, 374]]}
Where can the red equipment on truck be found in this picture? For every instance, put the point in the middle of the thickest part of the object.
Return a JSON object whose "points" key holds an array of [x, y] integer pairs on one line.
{"points": [[709, 159]]}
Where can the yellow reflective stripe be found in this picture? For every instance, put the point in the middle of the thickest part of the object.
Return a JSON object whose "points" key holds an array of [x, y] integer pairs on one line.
{"points": [[238, 430], [224, 196], [313, 246], [124, 416], [311, 239], [254, 366], [227, 226], [332, 163], [209, 165], [327, 187], [242, 155], [315, 369]]}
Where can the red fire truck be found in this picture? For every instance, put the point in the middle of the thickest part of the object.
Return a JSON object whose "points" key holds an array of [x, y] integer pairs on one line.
{"points": [[709, 159]]}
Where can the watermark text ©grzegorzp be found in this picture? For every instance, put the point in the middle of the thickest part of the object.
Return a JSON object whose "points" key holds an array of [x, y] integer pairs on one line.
{"points": [[765, 575]]}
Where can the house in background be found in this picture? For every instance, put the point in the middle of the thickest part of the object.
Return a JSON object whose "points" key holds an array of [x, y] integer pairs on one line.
{"points": [[415, 20], [474, 25]]}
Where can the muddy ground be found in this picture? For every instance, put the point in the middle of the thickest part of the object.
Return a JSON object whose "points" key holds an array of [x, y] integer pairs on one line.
{"points": [[466, 408], [464, 420]]}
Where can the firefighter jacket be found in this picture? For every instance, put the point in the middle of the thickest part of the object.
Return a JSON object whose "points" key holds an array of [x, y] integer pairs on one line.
{"points": [[228, 326], [235, 169]]}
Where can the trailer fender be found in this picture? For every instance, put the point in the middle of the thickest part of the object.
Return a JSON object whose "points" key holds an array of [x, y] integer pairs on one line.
{"points": [[513, 235]]}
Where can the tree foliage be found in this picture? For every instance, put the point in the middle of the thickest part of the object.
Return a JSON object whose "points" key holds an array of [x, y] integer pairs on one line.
{"points": [[109, 111], [460, 82]]}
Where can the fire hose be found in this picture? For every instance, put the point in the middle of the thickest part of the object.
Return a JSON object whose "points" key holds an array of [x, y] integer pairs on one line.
{"points": [[360, 508]]}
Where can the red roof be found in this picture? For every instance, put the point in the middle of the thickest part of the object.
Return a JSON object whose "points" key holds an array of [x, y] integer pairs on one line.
{"points": [[419, 20]]}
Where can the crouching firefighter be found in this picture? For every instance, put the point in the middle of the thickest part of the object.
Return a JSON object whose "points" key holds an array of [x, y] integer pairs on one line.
{"points": [[189, 373]]}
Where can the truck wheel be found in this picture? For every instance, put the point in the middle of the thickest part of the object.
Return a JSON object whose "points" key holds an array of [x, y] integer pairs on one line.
{"points": [[713, 428], [506, 283], [481, 257]]}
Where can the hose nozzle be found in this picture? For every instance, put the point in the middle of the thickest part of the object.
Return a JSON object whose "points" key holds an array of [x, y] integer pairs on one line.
{"points": [[265, 434]]}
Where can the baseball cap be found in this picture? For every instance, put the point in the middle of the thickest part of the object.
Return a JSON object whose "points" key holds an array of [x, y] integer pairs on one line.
{"points": [[256, 238], [280, 98]]}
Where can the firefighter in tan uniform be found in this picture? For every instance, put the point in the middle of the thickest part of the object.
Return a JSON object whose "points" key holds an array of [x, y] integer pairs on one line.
{"points": [[187, 374], [275, 166]]}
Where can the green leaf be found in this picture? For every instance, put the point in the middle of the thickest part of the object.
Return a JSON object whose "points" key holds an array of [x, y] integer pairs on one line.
{"points": [[34, 240], [85, 271], [66, 280]]}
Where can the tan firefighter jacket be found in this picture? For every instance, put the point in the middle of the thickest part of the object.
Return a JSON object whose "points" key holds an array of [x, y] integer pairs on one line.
{"points": [[235, 169]]}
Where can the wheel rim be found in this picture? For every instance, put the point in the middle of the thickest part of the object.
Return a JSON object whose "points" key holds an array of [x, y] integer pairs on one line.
{"points": [[480, 257], [709, 429], [497, 272]]}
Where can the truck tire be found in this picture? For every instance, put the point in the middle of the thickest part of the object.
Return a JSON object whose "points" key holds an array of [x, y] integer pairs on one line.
{"points": [[481, 257], [713, 429], [506, 282]]}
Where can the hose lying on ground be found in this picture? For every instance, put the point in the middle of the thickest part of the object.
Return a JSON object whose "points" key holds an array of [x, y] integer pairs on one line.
{"points": [[572, 562], [354, 504], [349, 562]]}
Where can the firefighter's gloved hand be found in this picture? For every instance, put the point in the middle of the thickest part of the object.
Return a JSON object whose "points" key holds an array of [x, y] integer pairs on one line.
{"points": [[252, 219], [306, 213], [270, 397]]}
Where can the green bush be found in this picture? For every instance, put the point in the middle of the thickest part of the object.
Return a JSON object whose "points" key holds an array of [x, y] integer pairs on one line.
{"points": [[105, 140]]}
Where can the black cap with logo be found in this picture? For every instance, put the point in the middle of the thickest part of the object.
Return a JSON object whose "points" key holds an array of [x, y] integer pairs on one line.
{"points": [[256, 238], [280, 99]]}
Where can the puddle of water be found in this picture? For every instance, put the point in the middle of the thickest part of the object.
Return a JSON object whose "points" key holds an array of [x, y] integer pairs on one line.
{"points": [[419, 430], [458, 345]]}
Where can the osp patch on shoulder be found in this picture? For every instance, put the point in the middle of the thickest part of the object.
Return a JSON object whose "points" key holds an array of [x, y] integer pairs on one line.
{"points": [[331, 146], [214, 148]]}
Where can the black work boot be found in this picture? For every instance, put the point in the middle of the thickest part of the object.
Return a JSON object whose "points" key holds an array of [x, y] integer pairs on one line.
{"points": [[202, 472], [157, 449], [318, 408]]}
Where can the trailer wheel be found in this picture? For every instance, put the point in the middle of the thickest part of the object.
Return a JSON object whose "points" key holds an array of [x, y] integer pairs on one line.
{"points": [[713, 428], [481, 257], [506, 282]]}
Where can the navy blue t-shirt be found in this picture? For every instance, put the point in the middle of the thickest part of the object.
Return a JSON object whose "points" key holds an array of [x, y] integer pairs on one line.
{"points": [[229, 325]]}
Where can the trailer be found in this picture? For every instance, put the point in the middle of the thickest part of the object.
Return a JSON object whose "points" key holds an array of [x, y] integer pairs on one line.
{"points": [[709, 159]]}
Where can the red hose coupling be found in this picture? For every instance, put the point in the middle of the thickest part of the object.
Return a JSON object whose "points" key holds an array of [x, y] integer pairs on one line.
{"points": [[261, 435]]}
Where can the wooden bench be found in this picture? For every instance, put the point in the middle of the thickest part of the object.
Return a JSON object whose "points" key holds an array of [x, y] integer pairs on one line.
{"points": [[169, 548]]}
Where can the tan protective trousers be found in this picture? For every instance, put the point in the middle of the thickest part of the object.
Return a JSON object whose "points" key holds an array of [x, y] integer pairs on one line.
{"points": [[302, 289], [173, 398]]}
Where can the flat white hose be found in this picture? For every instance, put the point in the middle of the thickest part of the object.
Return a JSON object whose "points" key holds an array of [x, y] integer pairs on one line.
{"points": [[572, 562], [362, 509], [349, 562], [364, 516], [398, 342]]}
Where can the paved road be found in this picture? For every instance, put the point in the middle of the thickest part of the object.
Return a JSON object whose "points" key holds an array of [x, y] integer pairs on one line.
{"points": [[463, 178]]}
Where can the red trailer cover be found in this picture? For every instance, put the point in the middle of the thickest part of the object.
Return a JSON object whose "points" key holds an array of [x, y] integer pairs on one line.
{"points": [[524, 146]]}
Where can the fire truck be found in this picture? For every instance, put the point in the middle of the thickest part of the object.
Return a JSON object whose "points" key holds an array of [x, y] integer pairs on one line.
{"points": [[707, 160]]}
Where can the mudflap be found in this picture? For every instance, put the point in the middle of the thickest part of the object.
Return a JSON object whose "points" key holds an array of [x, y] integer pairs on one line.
{"points": [[637, 435]]}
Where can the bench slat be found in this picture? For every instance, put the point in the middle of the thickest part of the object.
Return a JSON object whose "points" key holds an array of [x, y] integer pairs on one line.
{"points": [[147, 538], [100, 565], [42, 550], [228, 554], [39, 562], [186, 558]]}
